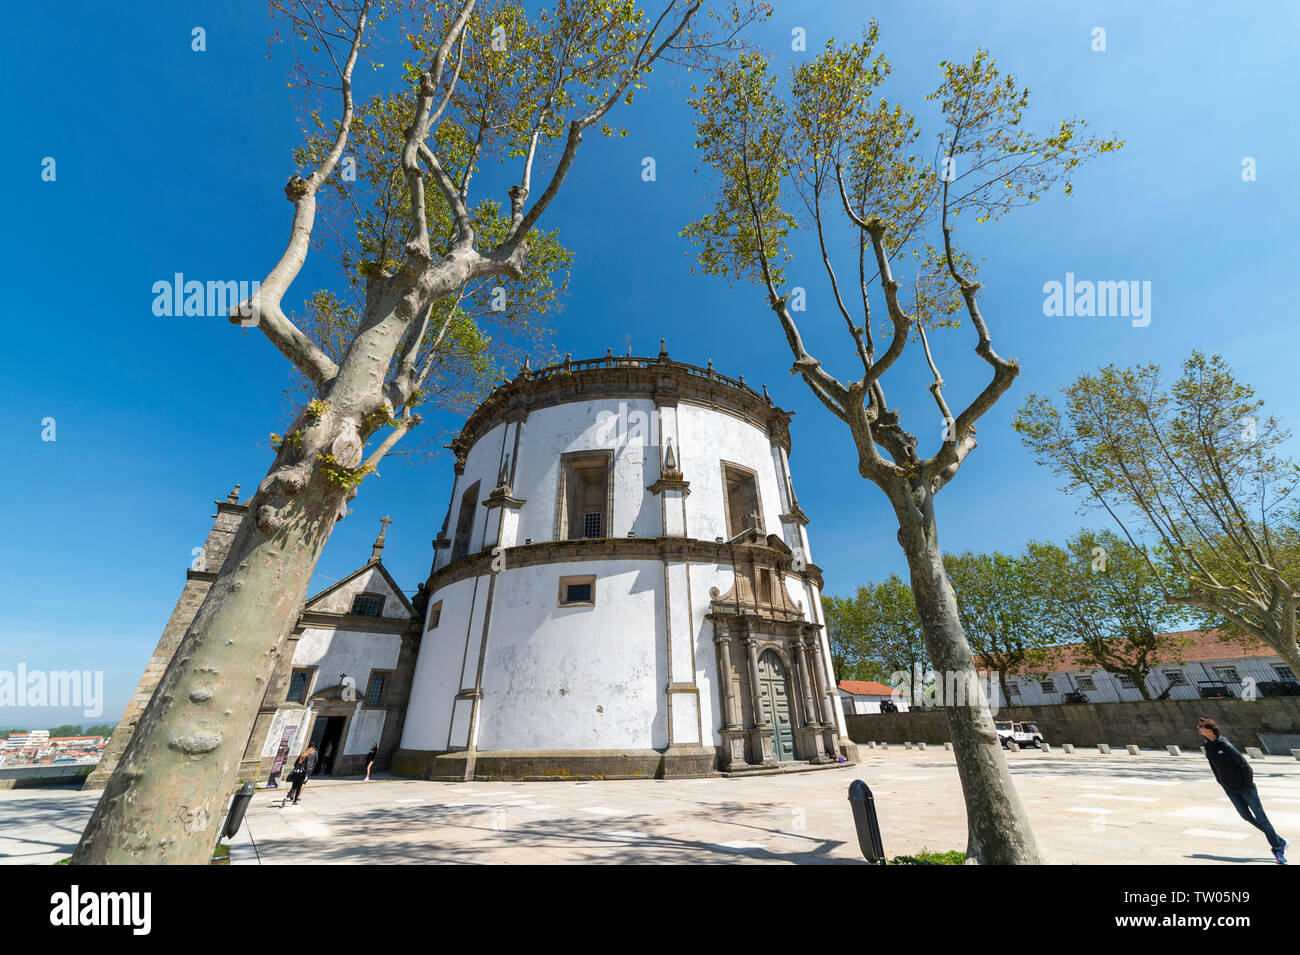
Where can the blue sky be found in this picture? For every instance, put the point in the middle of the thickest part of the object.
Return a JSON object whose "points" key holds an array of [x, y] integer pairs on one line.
{"points": [[172, 161]]}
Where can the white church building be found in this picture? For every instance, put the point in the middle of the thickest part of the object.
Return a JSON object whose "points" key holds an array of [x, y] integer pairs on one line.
{"points": [[622, 587]]}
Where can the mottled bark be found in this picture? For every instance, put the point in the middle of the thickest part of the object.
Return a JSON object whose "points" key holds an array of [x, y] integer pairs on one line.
{"points": [[998, 831], [165, 801]]}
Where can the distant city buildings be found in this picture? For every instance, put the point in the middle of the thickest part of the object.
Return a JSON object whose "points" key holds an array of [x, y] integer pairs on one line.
{"points": [[38, 748]]}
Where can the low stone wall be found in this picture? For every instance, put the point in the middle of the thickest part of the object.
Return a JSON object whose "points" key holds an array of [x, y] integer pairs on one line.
{"points": [[1148, 724], [30, 777]]}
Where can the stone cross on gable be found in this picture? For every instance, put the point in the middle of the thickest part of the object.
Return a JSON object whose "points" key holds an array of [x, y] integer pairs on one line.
{"points": [[379, 541], [754, 519]]}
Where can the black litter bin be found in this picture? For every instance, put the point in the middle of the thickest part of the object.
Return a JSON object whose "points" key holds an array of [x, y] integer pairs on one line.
{"points": [[238, 806], [864, 818]]}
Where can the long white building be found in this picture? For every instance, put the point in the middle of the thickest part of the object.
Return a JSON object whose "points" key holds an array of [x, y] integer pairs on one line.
{"points": [[623, 586], [1193, 664]]}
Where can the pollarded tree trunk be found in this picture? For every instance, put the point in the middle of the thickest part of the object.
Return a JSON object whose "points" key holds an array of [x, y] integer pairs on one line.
{"points": [[998, 830], [165, 801], [198, 722]]}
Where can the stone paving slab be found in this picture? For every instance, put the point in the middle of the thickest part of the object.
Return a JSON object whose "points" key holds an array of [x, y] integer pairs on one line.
{"points": [[1085, 808]]}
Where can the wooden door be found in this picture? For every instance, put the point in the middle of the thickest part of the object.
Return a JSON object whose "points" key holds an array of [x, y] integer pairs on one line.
{"points": [[776, 703]]}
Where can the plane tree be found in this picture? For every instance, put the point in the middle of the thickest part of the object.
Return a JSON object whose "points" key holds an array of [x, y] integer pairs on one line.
{"points": [[1104, 596], [876, 633], [826, 153], [481, 86], [998, 603], [1195, 466]]}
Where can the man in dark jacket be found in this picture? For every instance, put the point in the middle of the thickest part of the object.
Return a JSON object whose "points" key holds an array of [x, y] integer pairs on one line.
{"points": [[1238, 781]]}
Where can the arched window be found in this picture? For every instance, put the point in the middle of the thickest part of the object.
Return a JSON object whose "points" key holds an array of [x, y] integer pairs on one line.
{"points": [[465, 522]]}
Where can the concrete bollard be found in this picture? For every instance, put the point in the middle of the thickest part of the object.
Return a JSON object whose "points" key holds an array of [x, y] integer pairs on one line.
{"points": [[1173, 751], [1013, 746], [1133, 750], [1254, 752], [1067, 748], [884, 745], [907, 746], [1045, 747], [921, 747], [947, 748], [1103, 749], [1296, 753]]}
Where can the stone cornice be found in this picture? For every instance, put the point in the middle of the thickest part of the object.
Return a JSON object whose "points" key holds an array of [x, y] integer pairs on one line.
{"points": [[620, 548], [661, 379], [323, 620]]}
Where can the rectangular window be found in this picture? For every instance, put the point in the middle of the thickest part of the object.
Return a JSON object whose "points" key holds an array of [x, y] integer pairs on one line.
{"points": [[299, 682], [367, 605], [1014, 687], [1047, 686], [1126, 681], [740, 489], [1175, 678], [1284, 673], [375, 689], [578, 591], [585, 495], [1227, 674], [435, 614], [1086, 683], [765, 586]]}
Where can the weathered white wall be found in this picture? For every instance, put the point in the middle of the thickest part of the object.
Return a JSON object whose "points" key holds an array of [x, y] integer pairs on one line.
{"points": [[345, 651], [708, 438], [364, 729], [624, 426], [576, 677], [437, 677]]}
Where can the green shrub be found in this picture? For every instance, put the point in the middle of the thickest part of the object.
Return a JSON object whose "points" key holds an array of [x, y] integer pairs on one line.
{"points": [[926, 857]]}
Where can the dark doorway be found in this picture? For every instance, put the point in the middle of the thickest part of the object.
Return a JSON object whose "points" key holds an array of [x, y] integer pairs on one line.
{"points": [[327, 737]]}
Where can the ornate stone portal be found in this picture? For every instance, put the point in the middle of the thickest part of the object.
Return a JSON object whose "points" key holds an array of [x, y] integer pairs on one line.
{"points": [[781, 711]]}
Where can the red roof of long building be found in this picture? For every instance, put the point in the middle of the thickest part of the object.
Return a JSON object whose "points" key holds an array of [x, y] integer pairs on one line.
{"points": [[866, 688], [1184, 646]]}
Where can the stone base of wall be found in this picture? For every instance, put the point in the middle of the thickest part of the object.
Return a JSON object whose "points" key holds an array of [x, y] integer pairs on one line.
{"points": [[31, 777], [535, 765], [1151, 724]]}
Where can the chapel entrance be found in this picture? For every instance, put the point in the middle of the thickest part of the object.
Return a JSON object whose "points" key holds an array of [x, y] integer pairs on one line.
{"points": [[327, 737], [776, 703]]}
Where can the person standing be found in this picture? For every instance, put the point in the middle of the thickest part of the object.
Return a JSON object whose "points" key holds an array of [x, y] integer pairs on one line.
{"points": [[297, 776], [1236, 777], [370, 759], [308, 760]]}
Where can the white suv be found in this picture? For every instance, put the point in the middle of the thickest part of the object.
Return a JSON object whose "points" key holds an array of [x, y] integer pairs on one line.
{"points": [[1023, 734]]}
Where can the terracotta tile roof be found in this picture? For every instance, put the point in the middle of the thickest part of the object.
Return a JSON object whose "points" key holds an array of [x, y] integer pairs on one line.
{"points": [[1187, 646], [866, 688]]}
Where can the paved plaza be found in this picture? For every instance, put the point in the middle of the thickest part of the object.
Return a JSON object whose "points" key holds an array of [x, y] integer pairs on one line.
{"points": [[1085, 809]]}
